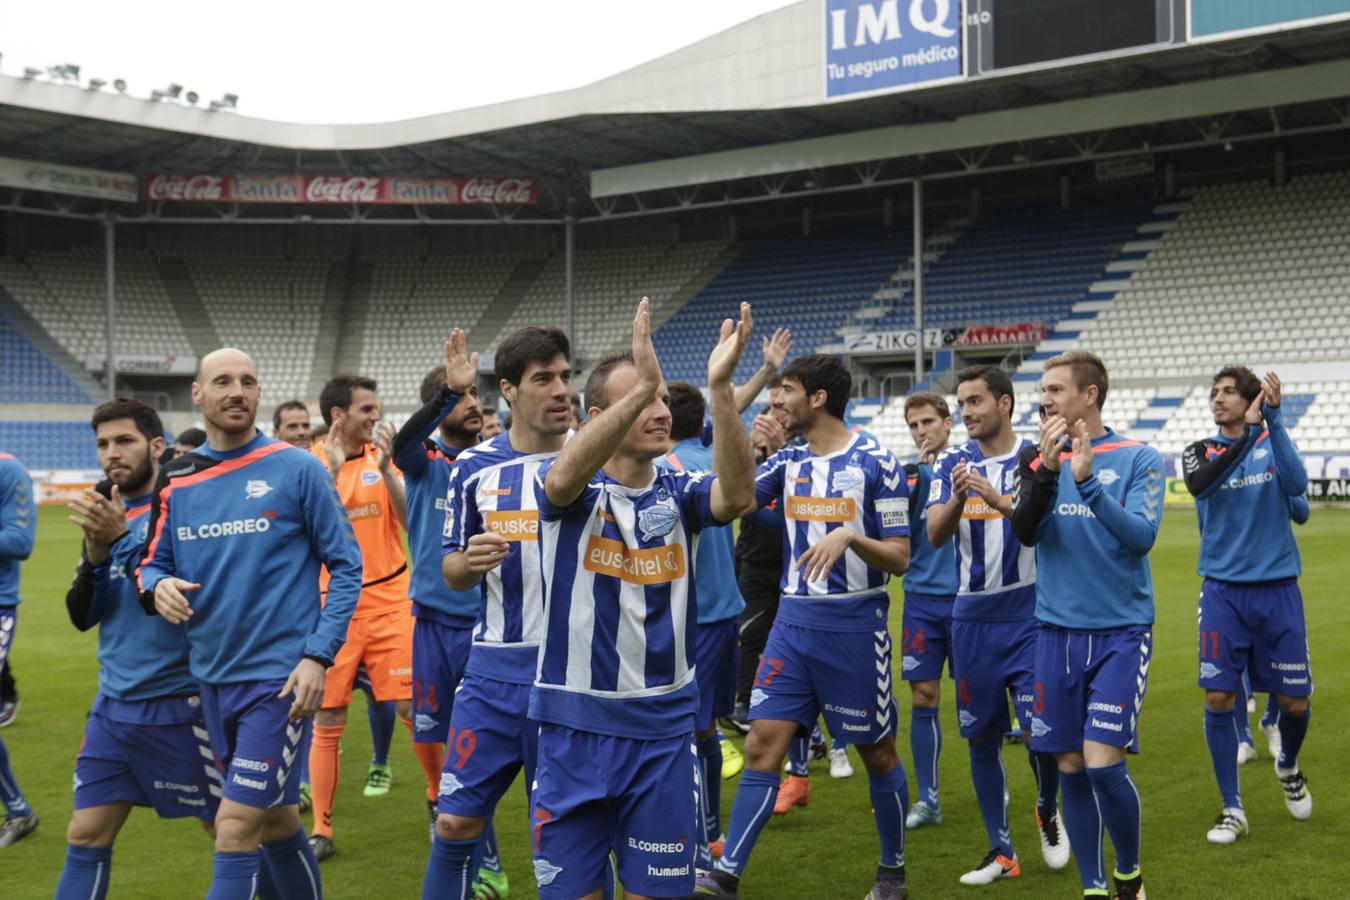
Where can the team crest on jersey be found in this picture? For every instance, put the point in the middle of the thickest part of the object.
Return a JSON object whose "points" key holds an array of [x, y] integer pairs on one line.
{"points": [[846, 479], [658, 520], [424, 723], [966, 718], [370, 477], [908, 663], [1108, 476], [545, 871], [256, 488], [1039, 728], [758, 696], [1260, 453], [935, 491], [1209, 670], [449, 784]]}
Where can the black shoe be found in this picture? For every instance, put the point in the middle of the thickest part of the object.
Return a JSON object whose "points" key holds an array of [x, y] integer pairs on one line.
{"points": [[321, 847], [1129, 889], [9, 711], [738, 721]]}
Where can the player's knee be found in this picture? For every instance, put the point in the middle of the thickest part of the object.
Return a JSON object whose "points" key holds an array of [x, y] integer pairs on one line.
{"points": [[1295, 706], [1220, 701], [766, 744], [86, 832], [404, 709], [458, 828], [238, 831], [280, 823], [1072, 763], [879, 758], [330, 718], [925, 693]]}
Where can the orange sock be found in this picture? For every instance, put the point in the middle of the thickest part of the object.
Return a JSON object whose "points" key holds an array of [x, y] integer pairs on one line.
{"points": [[429, 755], [324, 766]]}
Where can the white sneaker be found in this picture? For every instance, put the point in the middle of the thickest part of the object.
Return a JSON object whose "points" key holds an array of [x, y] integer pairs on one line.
{"points": [[1246, 753], [1228, 827], [1273, 740], [1054, 843], [1296, 796], [840, 767], [993, 867]]}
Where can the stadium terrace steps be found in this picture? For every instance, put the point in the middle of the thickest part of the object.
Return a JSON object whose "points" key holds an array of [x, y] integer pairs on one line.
{"points": [[355, 279], [330, 331], [488, 330], [201, 334], [37, 368]]}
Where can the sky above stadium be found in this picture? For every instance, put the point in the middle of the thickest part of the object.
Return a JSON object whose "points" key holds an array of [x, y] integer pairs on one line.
{"points": [[345, 61]]}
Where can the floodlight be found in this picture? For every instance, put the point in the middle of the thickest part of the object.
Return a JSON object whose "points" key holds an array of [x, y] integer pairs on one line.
{"points": [[217, 105], [231, 100], [157, 95], [174, 90], [121, 85], [192, 97], [96, 84], [31, 72]]}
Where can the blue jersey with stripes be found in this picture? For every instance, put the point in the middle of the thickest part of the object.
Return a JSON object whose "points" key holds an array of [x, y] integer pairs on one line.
{"points": [[1243, 506], [996, 574], [18, 525], [932, 570], [253, 526], [492, 490], [621, 608], [860, 487], [719, 597], [140, 657]]}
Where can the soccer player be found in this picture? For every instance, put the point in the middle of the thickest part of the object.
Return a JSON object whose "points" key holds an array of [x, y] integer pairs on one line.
{"points": [[615, 693], [1251, 611], [18, 531], [188, 439], [846, 506], [993, 630], [239, 529], [1090, 502], [145, 740], [290, 423], [359, 454], [930, 589], [492, 424], [491, 545], [719, 608]]}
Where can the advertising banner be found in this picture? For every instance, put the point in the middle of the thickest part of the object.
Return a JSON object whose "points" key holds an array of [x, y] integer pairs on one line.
{"points": [[145, 364], [887, 45], [38, 176], [897, 342], [348, 189], [1002, 335], [1004, 34], [1225, 18], [1329, 490]]}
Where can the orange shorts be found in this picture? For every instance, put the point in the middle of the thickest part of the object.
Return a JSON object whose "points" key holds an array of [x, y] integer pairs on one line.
{"points": [[384, 644]]}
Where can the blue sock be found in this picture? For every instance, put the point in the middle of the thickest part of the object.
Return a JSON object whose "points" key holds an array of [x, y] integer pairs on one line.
{"points": [[703, 859], [990, 781], [293, 869], [890, 805], [381, 716], [234, 876], [1118, 801], [1222, 737], [488, 856], [1293, 729], [1083, 825], [1046, 770], [710, 758], [925, 742], [15, 805], [448, 872], [86, 874], [1242, 695], [752, 807], [817, 738], [799, 752], [1271, 716]]}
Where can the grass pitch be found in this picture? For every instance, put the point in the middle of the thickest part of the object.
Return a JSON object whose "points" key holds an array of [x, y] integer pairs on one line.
{"points": [[826, 850]]}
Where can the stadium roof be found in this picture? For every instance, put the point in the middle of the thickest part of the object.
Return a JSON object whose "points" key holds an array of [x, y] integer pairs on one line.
{"points": [[725, 120]]}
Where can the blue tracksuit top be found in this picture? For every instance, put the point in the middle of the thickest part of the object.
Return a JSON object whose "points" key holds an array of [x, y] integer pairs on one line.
{"points": [[1092, 539], [252, 526], [932, 570], [719, 597], [1243, 490], [425, 463], [18, 525]]}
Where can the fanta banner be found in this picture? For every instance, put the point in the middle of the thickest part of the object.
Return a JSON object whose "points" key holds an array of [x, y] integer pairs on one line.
{"points": [[1177, 493], [349, 189]]}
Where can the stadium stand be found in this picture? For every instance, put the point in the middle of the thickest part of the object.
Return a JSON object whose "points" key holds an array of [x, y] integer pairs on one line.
{"points": [[50, 445], [29, 375]]}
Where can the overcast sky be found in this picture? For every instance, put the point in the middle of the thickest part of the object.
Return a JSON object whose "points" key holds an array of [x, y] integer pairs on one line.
{"points": [[344, 61]]}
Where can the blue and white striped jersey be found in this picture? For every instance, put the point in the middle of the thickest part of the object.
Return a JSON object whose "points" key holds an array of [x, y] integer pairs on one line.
{"points": [[861, 487], [492, 489], [620, 605], [997, 574]]}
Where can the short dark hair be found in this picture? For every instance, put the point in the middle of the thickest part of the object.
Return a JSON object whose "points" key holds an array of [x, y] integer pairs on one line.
{"points": [[822, 372], [289, 404], [432, 383], [1087, 368], [773, 382], [998, 381], [146, 419], [596, 392], [193, 437], [338, 393], [528, 345], [489, 411], [318, 432], [1248, 385], [687, 407], [928, 398]]}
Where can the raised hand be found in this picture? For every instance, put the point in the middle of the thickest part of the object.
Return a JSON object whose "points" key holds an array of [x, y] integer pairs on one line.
{"points": [[1271, 390], [461, 367], [960, 480], [767, 432], [334, 447], [730, 344], [644, 354], [383, 439], [928, 451], [1054, 432], [776, 348], [982, 486], [1253, 415], [1080, 464], [102, 519]]}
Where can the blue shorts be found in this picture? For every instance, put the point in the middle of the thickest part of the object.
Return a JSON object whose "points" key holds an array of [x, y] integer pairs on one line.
{"points": [[1089, 687], [716, 651], [490, 740], [844, 674], [595, 793], [991, 660], [9, 621], [168, 765], [440, 653], [255, 742], [1256, 627], [925, 637]]}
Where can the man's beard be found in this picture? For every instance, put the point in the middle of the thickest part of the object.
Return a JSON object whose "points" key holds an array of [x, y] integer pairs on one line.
{"points": [[139, 478]]}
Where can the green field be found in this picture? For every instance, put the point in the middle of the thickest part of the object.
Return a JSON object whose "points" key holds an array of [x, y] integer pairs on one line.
{"points": [[827, 850]]}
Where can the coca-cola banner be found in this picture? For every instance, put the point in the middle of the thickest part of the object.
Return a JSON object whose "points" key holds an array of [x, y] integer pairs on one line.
{"points": [[358, 189]]}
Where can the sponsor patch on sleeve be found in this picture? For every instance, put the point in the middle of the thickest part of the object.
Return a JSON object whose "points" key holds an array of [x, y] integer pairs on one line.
{"points": [[894, 512]]}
